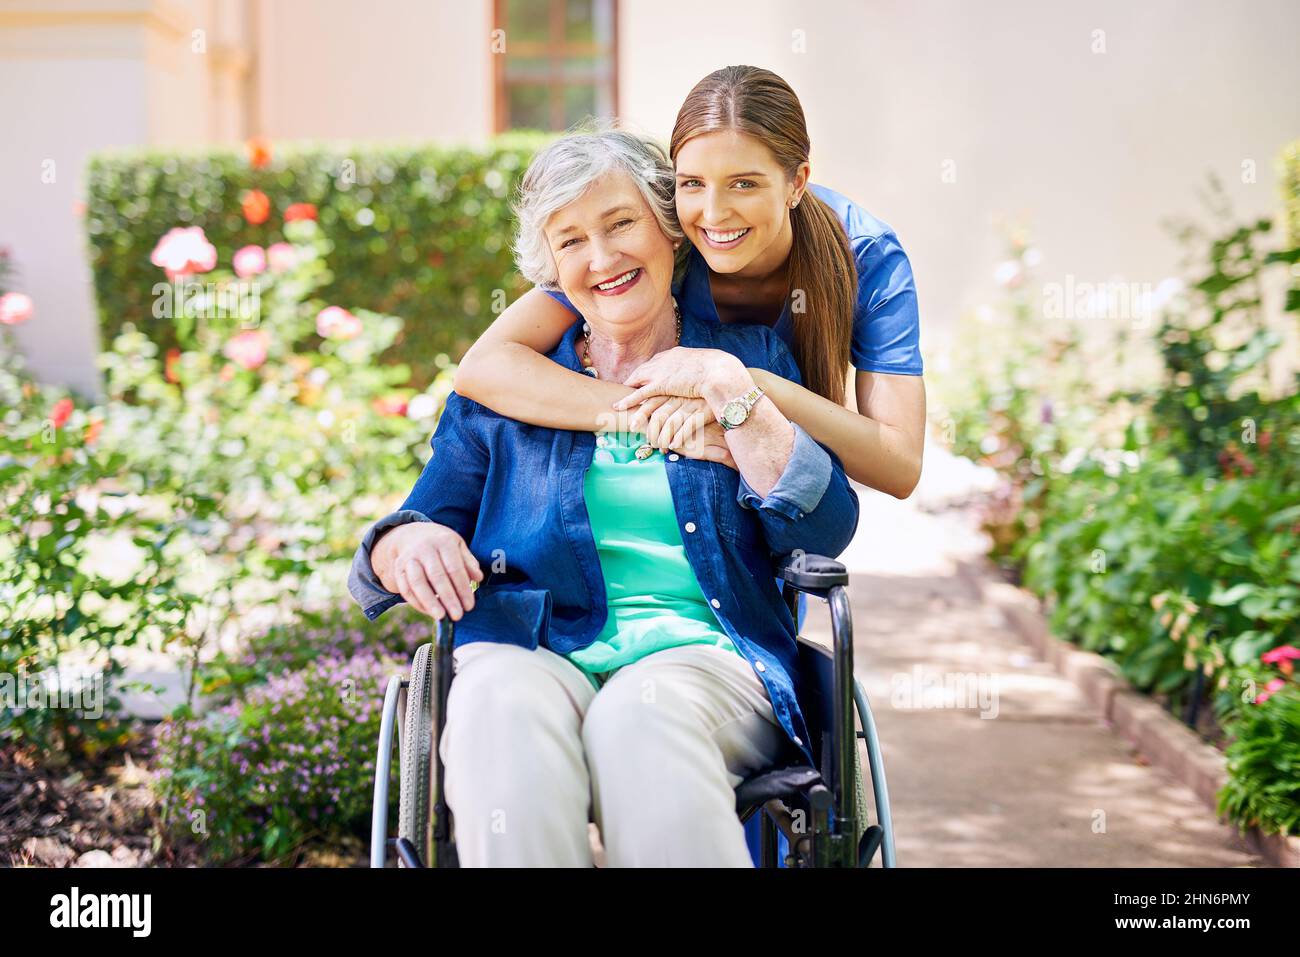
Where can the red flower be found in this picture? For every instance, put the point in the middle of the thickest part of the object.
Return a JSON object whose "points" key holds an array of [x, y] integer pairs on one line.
{"points": [[299, 211], [1280, 654], [1282, 657], [61, 412], [257, 206], [92, 431], [173, 360], [259, 152], [390, 405], [1277, 684]]}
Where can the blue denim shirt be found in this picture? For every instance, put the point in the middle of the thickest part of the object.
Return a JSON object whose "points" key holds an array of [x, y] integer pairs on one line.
{"points": [[514, 492]]}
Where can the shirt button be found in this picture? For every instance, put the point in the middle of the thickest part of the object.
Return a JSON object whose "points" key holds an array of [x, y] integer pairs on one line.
{"points": [[797, 740], [690, 526], [674, 457], [759, 666], [715, 603]]}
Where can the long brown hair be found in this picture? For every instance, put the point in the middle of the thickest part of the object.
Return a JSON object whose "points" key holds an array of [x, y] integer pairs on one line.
{"points": [[823, 275]]}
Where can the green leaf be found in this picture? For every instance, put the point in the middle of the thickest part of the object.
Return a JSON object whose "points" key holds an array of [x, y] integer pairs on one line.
{"points": [[1248, 646], [1233, 595]]}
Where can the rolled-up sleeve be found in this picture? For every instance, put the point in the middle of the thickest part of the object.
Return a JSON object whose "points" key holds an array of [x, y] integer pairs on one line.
{"points": [[364, 585], [448, 492], [812, 507], [801, 486]]}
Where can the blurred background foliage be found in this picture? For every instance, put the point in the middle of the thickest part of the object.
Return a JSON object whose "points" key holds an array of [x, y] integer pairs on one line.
{"points": [[1151, 481], [417, 231]]}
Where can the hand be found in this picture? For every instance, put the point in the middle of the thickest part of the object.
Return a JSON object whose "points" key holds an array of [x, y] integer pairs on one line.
{"points": [[678, 371], [682, 425], [431, 567], [669, 421], [710, 445]]}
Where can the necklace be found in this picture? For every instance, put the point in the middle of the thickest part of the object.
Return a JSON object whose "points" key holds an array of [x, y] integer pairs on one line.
{"points": [[643, 451]]}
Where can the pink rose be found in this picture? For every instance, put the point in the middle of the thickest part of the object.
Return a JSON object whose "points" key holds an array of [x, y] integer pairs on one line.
{"points": [[1277, 684], [248, 349], [184, 250], [15, 307], [1282, 657], [249, 261], [335, 322], [282, 257], [390, 405], [61, 412]]}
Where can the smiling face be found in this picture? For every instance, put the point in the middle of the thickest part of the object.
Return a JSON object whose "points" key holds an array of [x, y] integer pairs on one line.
{"points": [[733, 200], [614, 262]]}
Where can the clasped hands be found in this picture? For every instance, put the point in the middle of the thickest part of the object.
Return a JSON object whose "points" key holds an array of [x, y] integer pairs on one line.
{"points": [[431, 566], [668, 403]]}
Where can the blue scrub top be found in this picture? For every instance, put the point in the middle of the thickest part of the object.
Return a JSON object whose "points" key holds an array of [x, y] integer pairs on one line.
{"points": [[887, 323]]}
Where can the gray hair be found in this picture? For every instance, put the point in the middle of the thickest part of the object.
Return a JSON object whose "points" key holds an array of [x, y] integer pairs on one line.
{"points": [[566, 169]]}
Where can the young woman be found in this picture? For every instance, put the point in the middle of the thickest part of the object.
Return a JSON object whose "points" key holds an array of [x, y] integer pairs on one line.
{"points": [[768, 247]]}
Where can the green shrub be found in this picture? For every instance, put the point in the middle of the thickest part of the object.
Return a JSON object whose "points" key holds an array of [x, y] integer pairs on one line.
{"points": [[421, 231], [230, 475], [1160, 524], [290, 762], [1263, 786], [54, 598]]}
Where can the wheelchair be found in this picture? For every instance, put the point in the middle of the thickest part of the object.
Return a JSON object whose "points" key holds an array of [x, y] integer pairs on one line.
{"points": [[821, 811]]}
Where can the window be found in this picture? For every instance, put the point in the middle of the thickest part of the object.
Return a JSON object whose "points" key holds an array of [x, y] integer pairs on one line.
{"points": [[559, 65]]}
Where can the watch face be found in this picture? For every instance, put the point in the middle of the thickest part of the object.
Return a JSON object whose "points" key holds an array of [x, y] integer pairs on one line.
{"points": [[734, 412]]}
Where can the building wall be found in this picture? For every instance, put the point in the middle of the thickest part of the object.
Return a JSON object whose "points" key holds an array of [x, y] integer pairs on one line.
{"points": [[396, 69], [83, 75], [1091, 150]]}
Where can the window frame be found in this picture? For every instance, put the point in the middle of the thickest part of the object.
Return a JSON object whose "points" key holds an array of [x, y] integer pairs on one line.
{"points": [[555, 49]]}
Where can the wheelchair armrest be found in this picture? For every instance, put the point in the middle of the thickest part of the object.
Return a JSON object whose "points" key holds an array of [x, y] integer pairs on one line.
{"points": [[815, 574]]}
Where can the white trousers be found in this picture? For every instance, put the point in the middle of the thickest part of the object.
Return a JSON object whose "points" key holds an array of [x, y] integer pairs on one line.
{"points": [[531, 749]]}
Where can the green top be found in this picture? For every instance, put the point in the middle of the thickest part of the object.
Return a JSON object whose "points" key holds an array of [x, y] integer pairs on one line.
{"points": [[655, 601]]}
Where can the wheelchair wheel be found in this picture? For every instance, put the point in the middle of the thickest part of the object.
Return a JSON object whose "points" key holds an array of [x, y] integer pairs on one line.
{"points": [[415, 799], [861, 790]]}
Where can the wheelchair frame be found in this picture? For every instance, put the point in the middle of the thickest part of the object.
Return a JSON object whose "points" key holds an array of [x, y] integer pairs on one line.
{"points": [[787, 798]]}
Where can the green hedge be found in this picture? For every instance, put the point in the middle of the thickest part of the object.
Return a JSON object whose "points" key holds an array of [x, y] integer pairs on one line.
{"points": [[418, 231], [1290, 171]]}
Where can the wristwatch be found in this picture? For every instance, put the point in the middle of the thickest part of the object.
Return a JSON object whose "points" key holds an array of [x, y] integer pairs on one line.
{"points": [[735, 412]]}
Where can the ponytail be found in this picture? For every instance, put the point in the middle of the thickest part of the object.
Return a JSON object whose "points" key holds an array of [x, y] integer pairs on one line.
{"points": [[823, 292]]}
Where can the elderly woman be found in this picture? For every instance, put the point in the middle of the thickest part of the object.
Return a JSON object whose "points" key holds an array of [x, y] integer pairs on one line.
{"points": [[627, 654]]}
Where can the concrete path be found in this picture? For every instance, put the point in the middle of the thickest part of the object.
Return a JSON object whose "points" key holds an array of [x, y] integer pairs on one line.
{"points": [[1038, 780]]}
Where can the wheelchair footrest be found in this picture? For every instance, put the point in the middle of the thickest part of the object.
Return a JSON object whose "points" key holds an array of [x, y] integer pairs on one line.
{"points": [[780, 783]]}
